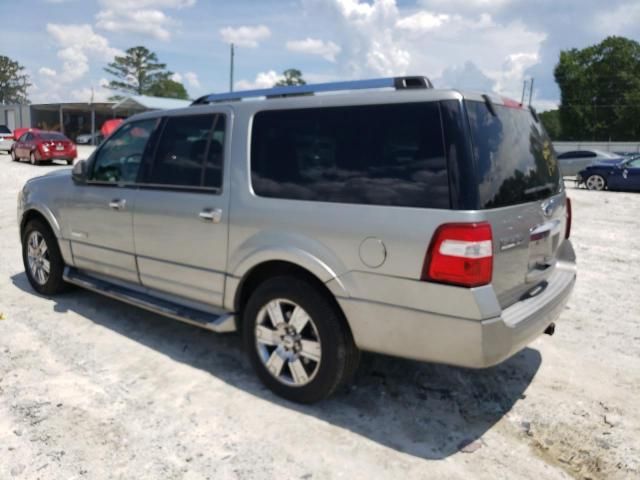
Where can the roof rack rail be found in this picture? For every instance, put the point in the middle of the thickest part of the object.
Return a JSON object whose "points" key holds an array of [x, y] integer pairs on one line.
{"points": [[399, 83]]}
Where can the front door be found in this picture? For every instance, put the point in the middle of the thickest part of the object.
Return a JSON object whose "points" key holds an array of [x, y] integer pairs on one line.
{"points": [[99, 215], [181, 217]]}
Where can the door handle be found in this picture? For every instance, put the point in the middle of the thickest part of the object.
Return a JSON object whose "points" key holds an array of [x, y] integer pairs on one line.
{"points": [[213, 215], [117, 204]]}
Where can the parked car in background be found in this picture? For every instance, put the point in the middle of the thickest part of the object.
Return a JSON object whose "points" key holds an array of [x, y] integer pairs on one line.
{"points": [[621, 174], [85, 138], [407, 221], [572, 162], [6, 139], [39, 146]]}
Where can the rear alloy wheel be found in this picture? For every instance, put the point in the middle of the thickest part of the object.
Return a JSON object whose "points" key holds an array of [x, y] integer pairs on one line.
{"points": [[32, 159], [596, 182], [297, 340]]}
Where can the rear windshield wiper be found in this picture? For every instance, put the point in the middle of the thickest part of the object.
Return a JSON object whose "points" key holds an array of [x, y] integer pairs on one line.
{"points": [[541, 188]]}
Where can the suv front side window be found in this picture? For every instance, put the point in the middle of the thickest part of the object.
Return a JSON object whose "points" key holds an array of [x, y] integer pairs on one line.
{"points": [[119, 158]]}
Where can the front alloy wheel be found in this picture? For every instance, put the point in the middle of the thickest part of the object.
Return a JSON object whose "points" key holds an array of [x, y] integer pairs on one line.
{"points": [[596, 182], [43, 262]]}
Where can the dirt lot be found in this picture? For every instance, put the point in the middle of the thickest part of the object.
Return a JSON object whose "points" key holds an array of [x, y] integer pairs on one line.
{"points": [[90, 388]]}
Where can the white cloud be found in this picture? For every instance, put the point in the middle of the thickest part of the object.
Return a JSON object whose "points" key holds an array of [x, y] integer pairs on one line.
{"points": [[192, 79], [146, 18], [151, 23], [312, 46], [47, 72], [263, 80], [423, 21], [245, 36], [176, 77], [379, 38], [79, 44]]}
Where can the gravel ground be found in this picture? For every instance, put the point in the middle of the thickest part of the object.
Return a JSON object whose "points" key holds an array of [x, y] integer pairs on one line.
{"points": [[90, 388]]}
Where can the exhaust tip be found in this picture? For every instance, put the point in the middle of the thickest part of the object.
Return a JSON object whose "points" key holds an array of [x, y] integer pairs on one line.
{"points": [[551, 329]]}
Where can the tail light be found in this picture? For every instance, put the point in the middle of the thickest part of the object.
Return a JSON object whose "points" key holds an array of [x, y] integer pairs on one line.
{"points": [[567, 232], [460, 254]]}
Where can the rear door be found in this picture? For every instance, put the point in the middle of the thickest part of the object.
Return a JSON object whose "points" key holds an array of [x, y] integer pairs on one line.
{"points": [[520, 187], [181, 216]]}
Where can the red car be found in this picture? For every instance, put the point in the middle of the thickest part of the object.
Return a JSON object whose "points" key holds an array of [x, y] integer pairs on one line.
{"points": [[41, 146]]}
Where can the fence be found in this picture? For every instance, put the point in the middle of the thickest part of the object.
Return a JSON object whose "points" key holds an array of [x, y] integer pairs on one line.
{"points": [[630, 147]]}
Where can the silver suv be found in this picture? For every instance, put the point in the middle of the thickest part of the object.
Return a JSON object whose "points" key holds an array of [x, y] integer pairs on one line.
{"points": [[422, 223]]}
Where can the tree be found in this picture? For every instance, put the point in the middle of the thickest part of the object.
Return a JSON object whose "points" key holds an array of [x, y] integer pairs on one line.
{"points": [[14, 83], [168, 88], [291, 76], [140, 73], [551, 122], [600, 90]]}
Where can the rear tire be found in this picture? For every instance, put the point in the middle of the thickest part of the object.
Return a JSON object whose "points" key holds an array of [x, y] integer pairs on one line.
{"points": [[42, 259], [596, 182], [303, 356], [69, 162]]}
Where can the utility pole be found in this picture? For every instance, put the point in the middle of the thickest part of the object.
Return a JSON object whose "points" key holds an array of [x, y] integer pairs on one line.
{"points": [[231, 70], [531, 91], [524, 90]]}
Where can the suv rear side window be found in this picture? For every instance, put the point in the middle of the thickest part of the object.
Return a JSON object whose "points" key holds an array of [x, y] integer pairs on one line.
{"points": [[376, 154], [189, 153], [118, 160], [514, 156]]}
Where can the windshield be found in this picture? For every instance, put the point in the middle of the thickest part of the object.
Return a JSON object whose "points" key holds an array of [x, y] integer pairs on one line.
{"points": [[4, 129], [514, 156]]}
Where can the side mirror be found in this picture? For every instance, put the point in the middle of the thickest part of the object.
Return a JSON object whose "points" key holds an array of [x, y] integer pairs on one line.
{"points": [[79, 172]]}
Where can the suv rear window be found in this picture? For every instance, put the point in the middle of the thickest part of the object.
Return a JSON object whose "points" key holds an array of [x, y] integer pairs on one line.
{"points": [[4, 129], [374, 154], [514, 156]]}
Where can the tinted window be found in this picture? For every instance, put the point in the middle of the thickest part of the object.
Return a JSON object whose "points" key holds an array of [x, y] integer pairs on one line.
{"points": [[118, 160], [514, 156], [4, 129], [634, 163], [189, 152], [380, 155], [52, 136]]}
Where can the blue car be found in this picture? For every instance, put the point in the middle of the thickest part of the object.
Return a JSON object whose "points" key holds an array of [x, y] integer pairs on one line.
{"points": [[623, 174]]}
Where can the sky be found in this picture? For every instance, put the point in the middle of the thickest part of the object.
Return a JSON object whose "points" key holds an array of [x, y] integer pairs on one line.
{"points": [[488, 45]]}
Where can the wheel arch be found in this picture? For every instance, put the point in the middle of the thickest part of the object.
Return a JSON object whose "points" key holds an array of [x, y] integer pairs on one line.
{"points": [[260, 272], [45, 215]]}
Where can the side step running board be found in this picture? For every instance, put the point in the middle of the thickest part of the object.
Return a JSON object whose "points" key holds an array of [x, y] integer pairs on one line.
{"points": [[217, 323]]}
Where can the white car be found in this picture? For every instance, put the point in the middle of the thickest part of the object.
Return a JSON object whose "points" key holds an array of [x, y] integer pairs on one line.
{"points": [[6, 139], [574, 161]]}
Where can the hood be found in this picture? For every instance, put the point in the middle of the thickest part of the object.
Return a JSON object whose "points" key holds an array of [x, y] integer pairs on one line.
{"points": [[64, 172]]}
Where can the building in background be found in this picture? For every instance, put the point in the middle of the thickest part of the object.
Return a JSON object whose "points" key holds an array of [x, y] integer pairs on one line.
{"points": [[76, 119]]}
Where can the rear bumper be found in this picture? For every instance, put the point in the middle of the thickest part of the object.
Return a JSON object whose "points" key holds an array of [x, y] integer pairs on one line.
{"points": [[433, 337], [5, 145]]}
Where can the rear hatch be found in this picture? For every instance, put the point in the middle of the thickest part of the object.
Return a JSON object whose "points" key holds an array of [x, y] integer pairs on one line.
{"points": [[521, 191]]}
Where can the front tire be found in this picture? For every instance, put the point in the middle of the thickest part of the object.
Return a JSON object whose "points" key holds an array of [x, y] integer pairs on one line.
{"points": [[32, 159], [297, 340], [14, 157], [42, 259], [596, 182]]}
